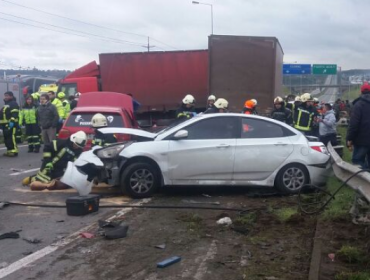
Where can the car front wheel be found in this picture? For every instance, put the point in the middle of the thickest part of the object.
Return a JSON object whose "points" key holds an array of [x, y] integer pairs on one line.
{"points": [[140, 180], [291, 178]]}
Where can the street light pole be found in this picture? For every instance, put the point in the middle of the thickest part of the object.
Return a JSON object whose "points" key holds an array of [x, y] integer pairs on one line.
{"points": [[206, 4]]}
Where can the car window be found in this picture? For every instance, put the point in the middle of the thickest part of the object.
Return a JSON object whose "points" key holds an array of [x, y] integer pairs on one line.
{"points": [[254, 128], [214, 128], [82, 119]]}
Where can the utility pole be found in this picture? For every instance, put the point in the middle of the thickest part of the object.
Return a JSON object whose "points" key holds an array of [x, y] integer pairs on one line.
{"points": [[148, 46]]}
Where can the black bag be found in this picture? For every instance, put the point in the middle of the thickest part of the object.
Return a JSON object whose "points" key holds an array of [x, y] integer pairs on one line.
{"points": [[82, 205]]}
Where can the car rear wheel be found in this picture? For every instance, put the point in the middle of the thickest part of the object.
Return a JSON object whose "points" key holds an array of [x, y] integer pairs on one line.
{"points": [[291, 178], [140, 180]]}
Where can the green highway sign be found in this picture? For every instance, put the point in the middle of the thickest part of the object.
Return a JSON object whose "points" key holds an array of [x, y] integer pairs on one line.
{"points": [[324, 69]]}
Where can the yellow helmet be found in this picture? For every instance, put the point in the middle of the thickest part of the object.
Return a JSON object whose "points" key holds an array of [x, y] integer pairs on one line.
{"points": [[306, 97], [221, 103], [278, 100]]}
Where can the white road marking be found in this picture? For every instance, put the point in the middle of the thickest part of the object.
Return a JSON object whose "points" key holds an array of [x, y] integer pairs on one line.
{"points": [[25, 171], [26, 261], [21, 146]]}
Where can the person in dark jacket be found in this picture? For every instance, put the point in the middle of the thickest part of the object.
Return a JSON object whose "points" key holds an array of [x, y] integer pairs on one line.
{"points": [[48, 118], [101, 139], [304, 115], [358, 133], [186, 111], [28, 118], [281, 113], [211, 101], [9, 121], [220, 106]]}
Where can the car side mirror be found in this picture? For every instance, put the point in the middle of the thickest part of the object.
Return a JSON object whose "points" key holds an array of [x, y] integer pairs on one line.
{"points": [[181, 134]]}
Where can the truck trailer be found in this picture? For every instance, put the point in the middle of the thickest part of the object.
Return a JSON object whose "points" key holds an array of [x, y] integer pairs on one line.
{"points": [[236, 68]]}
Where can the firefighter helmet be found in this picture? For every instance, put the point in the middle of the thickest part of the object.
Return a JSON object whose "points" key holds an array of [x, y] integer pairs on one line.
{"points": [[298, 98], [79, 138], [188, 99], [211, 97], [306, 97], [278, 100], [221, 103], [249, 104], [255, 102], [61, 95], [99, 120]]}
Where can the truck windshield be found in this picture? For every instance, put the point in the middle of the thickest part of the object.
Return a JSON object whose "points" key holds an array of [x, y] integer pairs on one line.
{"points": [[68, 89]]}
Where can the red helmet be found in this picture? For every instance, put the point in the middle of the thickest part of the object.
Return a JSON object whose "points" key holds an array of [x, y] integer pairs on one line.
{"points": [[365, 88]]}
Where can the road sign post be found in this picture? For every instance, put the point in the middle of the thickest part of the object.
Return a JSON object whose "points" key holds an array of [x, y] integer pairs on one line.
{"points": [[324, 69]]}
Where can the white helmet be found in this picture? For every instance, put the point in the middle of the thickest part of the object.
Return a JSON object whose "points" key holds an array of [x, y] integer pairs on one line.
{"points": [[316, 100], [254, 101], [221, 103], [298, 98], [79, 138], [77, 94], [188, 99], [278, 100], [306, 97], [99, 120], [212, 97]]}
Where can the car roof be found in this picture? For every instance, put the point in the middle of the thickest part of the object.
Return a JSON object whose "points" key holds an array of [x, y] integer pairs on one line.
{"points": [[98, 109]]}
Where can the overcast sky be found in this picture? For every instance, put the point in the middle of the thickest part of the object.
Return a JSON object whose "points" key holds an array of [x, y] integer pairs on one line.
{"points": [[310, 31]]}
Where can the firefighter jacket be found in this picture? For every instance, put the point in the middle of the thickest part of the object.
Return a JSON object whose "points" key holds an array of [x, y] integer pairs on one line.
{"points": [[67, 108], [9, 112], [211, 110], [28, 115], [283, 114], [185, 113], [59, 105], [303, 117], [59, 153], [103, 140], [248, 111]]}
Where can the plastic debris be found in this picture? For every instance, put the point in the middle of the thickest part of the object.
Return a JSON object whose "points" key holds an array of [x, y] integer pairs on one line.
{"points": [[225, 221], [87, 235], [119, 231], [162, 246], [13, 235], [168, 262], [32, 240], [331, 256]]}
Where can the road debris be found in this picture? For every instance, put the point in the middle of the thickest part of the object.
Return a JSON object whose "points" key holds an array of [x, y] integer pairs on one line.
{"points": [[32, 240], [3, 205], [162, 246], [201, 202], [168, 262], [206, 195], [60, 221], [87, 235], [225, 221], [12, 235], [120, 231]]}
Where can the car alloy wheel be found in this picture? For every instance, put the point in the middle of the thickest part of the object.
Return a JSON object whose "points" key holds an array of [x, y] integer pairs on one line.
{"points": [[141, 181], [293, 178]]}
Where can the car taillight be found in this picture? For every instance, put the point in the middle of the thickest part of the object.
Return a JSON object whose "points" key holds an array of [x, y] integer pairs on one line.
{"points": [[321, 149], [64, 133]]}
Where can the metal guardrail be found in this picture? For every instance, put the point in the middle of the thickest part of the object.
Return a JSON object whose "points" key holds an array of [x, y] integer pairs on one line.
{"points": [[343, 170]]}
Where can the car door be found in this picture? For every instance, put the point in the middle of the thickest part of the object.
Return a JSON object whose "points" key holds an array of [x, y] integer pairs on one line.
{"points": [[206, 156], [262, 148]]}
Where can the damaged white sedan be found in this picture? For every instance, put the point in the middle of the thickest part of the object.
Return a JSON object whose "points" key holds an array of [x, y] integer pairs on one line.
{"points": [[216, 149]]}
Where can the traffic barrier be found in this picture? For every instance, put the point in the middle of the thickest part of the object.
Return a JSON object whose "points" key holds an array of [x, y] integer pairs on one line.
{"points": [[343, 170]]}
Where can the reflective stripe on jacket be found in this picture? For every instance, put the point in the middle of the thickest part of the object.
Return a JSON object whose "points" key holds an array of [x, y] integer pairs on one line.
{"points": [[28, 116]]}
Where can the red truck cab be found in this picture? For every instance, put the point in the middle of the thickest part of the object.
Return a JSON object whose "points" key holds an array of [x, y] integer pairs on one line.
{"points": [[117, 108]]}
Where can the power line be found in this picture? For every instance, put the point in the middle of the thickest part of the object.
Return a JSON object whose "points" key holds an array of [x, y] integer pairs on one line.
{"points": [[41, 27], [87, 23], [73, 30]]}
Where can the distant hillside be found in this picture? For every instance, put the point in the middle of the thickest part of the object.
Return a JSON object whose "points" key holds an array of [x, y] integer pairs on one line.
{"points": [[35, 72], [356, 72]]}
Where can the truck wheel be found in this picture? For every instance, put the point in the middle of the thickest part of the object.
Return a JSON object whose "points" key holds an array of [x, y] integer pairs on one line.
{"points": [[291, 178], [140, 180]]}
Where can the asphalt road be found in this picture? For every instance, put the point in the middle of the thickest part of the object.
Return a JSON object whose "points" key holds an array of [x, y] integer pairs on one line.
{"points": [[47, 224], [330, 93]]}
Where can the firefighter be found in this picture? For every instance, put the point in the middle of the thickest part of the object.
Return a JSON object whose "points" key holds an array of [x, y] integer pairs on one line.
{"points": [[255, 106], [60, 109], [220, 106], [101, 139], [186, 111], [293, 105], [9, 117], [65, 103], [249, 108], [56, 156], [304, 115], [210, 101], [280, 112], [28, 118]]}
